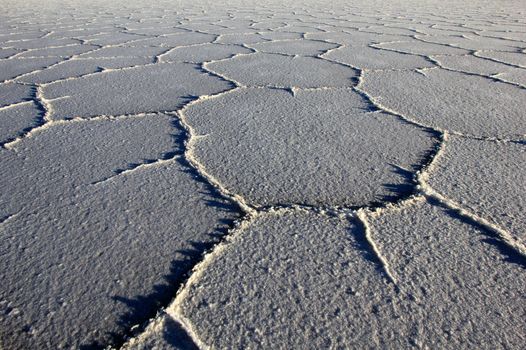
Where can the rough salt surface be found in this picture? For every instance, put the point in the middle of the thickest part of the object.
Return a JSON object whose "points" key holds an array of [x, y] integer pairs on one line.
{"points": [[163, 87], [451, 100], [485, 177], [114, 247], [259, 69], [278, 291], [203, 53], [123, 168], [371, 58], [14, 120], [295, 47], [316, 147]]}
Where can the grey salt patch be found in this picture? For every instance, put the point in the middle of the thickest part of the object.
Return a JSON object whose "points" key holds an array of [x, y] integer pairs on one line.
{"points": [[40, 43], [124, 51], [458, 290], [299, 280], [64, 51], [441, 32], [298, 29], [112, 38], [76, 155], [268, 25], [216, 29], [237, 23], [79, 67], [472, 64], [518, 36], [12, 68], [11, 93], [476, 42], [452, 101], [389, 30], [240, 39], [175, 40], [295, 47], [422, 48], [26, 35], [154, 31], [160, 87], [307, 281], [486, 178], [515, 75], [81, 264], [8, 52], [109, 260], [516, 58], [281, 35], [263, 69], [454, 27], [79, 33], [371, 58], [15, 119], [354, 39], [203, 53], [316, 148]]}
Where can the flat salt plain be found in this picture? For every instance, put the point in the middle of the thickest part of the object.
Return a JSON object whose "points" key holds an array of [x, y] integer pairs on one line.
{"points": [[181, 174]]}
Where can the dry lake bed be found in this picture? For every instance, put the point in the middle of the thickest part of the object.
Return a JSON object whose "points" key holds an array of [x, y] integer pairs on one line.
{"points": [[262, 174]]}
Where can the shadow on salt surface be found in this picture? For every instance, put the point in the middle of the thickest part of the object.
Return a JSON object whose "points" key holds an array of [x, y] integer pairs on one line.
{"points": [[358, 231], [10, 134], [177, 337], [144, 307], [509, 255], [399, 191], [178, 141], [141, 308], [403, 191], [38, 119]]}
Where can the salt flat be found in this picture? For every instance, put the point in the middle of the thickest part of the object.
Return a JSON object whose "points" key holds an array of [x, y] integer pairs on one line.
{"points": [[186, 174]]}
